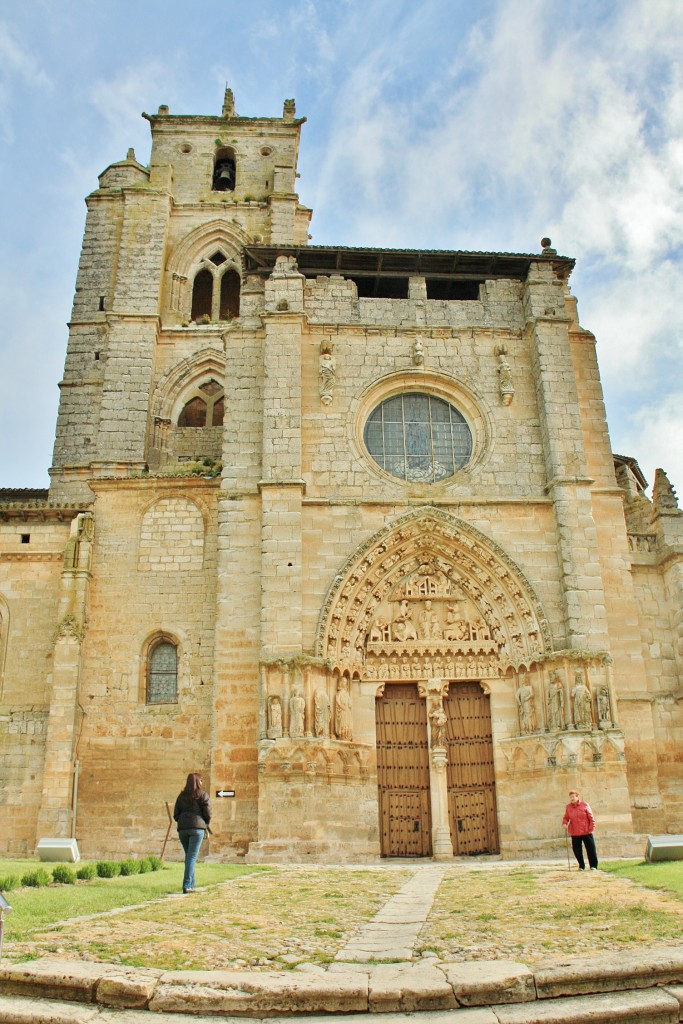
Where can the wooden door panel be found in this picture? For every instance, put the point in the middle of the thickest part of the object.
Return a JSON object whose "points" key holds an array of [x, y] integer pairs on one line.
{"points": [[470, 772], [403, 772]]}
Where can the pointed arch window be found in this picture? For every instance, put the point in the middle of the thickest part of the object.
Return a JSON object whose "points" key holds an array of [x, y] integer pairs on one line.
{"points": [[216, 290], [205, 406], [162, 671]]}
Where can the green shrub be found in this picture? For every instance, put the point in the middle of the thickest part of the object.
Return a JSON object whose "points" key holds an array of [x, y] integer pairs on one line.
{"points": [[145, 865], [129, 867], [8, 883], [86, 872], [64, 874], [155, 862], [107, 869], [34, 879]]}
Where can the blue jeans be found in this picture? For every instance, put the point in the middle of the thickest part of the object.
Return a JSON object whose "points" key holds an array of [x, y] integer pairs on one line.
{"points": [[191, 840]]}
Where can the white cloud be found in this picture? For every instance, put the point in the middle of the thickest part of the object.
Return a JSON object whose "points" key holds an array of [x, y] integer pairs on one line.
{"points": [[654, 439], [16, 62]]}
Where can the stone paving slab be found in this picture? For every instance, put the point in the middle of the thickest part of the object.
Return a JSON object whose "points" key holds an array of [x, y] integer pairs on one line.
{"points": [[393, 931], [477, 983], [652, 1005], [653, 986], [608, 973]]}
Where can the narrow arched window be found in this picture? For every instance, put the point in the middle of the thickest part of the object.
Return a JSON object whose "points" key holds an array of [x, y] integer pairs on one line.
{"points": [[162, 673], [202, 293], [230, 295]]}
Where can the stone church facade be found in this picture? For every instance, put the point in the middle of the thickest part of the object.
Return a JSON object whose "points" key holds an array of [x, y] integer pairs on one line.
{"points": [[341, 528]]}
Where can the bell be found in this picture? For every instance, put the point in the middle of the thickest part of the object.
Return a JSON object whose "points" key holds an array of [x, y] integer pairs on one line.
{"points": [[224, 179]]}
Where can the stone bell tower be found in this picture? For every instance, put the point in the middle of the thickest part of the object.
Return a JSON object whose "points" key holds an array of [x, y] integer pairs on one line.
{"points": [[162, 257]]}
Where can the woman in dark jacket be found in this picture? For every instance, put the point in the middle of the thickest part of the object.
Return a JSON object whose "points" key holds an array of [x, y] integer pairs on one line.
{"points": [[192, 813]]}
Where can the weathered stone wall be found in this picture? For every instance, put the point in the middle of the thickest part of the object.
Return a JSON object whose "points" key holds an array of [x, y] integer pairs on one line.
{"points": [[273, 580]]}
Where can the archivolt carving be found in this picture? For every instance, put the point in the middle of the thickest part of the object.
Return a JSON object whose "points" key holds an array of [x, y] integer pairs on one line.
{"points": [[431, 596]]}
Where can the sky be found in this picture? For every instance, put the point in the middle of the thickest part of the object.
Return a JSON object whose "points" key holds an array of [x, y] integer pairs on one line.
{"points": [[443, 124]]}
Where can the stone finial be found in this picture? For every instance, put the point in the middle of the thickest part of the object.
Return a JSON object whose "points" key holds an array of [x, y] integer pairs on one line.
{"points": [[289, 110], [228, 103], [130, 155], [663, 494], [163, 110], [546, 245]]}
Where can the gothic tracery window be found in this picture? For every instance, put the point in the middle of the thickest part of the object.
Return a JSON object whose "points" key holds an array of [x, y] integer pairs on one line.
{"points": [[215, 290], [205, 408]]}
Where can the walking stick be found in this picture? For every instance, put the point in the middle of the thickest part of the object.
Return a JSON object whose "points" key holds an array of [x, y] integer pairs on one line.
{"points": [[566, 836], [168, 830]]}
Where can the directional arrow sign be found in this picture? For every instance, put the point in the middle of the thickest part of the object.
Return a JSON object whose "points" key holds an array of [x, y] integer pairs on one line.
{"points": [[225, 792]]}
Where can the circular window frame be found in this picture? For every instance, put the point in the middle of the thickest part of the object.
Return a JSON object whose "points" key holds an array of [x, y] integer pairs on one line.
{"points": [[437, 385]]}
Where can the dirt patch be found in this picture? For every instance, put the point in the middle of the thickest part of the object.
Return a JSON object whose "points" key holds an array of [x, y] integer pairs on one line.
{"points": [[275, 920], [534, 914]]}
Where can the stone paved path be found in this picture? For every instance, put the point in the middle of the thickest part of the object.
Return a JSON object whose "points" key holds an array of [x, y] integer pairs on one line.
{"points": [[392, 933]]}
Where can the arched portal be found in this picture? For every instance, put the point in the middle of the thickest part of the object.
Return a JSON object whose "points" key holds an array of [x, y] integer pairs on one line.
{"points": [[432, 606]]}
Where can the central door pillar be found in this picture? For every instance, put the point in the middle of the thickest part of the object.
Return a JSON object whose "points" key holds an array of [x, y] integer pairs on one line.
{"points": [[433, 690]]}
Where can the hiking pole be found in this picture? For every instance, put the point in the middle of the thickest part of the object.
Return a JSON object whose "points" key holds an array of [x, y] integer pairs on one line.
{"points": [[168, 830]]}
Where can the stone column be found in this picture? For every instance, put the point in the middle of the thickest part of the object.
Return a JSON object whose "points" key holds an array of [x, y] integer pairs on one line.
{"points": [[55, 819], [281, 485], [442, 845], [568, 482]]}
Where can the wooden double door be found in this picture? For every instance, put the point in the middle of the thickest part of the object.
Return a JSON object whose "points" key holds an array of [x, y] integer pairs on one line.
{"points": [[403, 771]]}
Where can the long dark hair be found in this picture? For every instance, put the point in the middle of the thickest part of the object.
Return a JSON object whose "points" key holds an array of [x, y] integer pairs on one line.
{"points": [[193, 786]]}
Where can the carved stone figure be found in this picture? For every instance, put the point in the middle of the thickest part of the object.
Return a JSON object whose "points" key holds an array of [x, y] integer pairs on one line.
{"points": [[583, 714], [297, 714], [555, 703], [526, 707], [505, 384], [604, 707], [403, 627], [418, 353], [328, 371], [321, 714], [456, 627], [430, 627], [274, 731], [342, 712], [438, 721], [379, 631], [480, 631]]}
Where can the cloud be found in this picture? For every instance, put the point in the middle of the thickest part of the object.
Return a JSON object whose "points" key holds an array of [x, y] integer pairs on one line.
{"points": [[119, 100], [16, 62], [654, 439]]}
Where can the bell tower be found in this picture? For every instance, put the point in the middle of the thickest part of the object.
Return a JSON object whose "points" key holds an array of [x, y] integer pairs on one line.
{"points": [[161, 274]]}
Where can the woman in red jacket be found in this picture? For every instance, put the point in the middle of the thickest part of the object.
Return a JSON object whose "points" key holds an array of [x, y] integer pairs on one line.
{"points": [[580, 824]]}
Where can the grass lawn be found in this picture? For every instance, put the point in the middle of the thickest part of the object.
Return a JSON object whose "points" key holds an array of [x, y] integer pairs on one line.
{"points": [[664, 875], [530, 913], [36, 909], [270, 920]]}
